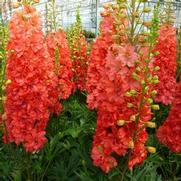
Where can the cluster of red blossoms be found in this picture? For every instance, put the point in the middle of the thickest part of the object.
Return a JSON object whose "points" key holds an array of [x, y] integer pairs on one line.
{"points": [[115, 80], [30, 70], [170, 132], [60, 54], [79, 60], [35, 85], [166, 60]]}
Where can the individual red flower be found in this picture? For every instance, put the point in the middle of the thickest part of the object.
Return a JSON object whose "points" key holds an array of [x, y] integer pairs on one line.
{"points": [[166, 60], [102, 160], [30, 69], [169, 133], [139, 153]]}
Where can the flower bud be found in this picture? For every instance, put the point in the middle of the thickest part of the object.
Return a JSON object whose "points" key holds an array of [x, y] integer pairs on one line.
{"points": [[129, 105], [146, 10], [127, 94], [137, 62], [133, 92], [4, 117], [143, 83], [155, 81], [150, 124], [131, 144], [4, 98], [138, 69], [155, 107], [135, 14], [156, 68], [147, 23], [155, 77], [8, 82], [133, 118], [121, 122], [150, 101], [157, 53], [146, 89], [151, 149], [3, 87], [153, 93], [147, 60], [135, 76]]}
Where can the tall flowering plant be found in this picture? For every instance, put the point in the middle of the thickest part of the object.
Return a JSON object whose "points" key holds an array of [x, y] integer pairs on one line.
{"points": [[79, 56], [60, 54], [121, 79], [30, 69], [169, 133]]}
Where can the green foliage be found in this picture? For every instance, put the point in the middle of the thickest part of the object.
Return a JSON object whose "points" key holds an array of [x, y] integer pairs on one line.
{"points": [[89, 34]]}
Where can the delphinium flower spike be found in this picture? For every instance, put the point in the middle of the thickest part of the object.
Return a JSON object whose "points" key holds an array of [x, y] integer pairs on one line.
{"points": [[121, 79], [30, 69]]}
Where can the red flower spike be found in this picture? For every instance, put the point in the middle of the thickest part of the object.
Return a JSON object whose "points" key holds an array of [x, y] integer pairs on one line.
{"points": [[110, 86], [79, 61], [30, 69], [166, 60], [169, 133], [60, 54]]}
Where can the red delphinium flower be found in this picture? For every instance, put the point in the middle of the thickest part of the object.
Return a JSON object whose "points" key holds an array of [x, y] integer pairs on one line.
{"points": [[166, 60], [79, 61], [170, 132], [117, 87], [30, 69], [59, 52], [79, 56], [95, 70], [107, 139], [139, 153]]}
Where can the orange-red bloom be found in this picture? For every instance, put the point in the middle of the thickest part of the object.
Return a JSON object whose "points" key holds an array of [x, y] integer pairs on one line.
{"points": [[79, 61], [60, 54], [166, 60], [170, 132], [110, 86], [30, 69]]}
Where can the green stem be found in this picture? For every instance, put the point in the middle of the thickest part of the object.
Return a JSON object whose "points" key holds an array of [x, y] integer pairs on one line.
{"points": [[54, 14], [133, 4]]}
